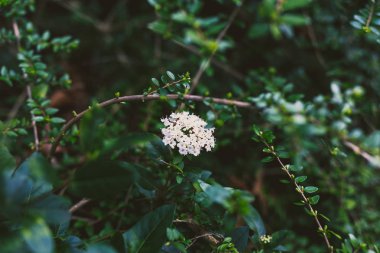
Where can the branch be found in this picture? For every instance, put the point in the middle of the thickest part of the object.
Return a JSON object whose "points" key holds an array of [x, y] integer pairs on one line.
{"points": [[143, 98], [373, 160], [79, 205], [16, 32], [301, 192], [239, 76], [372, 10], [204, 65]]}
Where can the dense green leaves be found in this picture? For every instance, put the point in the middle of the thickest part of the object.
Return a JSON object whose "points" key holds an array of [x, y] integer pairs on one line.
{"points": [[27, 202], [148, 235], [103, 179], [311, 80]]}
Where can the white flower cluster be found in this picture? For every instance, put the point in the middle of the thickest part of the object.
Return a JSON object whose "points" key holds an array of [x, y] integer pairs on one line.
{"points": [[188, 132], [265, 239]]}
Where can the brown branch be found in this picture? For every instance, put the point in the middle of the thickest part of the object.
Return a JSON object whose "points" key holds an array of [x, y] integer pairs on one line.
{"points": [[16, 32], [314, 42], [204, 65], [16, 107], [79, 205], [374, 161], [214, 61], [143, 98], [369, 19]]}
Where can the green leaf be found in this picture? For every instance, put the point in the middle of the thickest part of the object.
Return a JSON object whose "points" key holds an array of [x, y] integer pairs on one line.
{"points": [[268, 136], [324, 217], [39, 169], [149, 234], [258, 30], [38, 237], [314, 200], [267, 159], [240, 237], [159, 27], [100, 248], [150, 142], [6, 159], [279, 238], [170, 75], [102, 179], [295, 168], [335, 234], [51, 111], [58, 120], [52, 208], [256, 130], [295, 4], [310, 189], [216, 193], [38, 118], [254, 221], [294, 20], [300, 179], [156, 82], [91, 138]]}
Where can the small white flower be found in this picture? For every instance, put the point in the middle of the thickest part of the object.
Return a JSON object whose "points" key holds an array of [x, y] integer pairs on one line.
{"points": [[265, 239], [188, 132]]}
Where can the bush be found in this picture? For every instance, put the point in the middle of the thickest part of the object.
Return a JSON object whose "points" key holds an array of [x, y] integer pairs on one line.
{"points": [[263, 135]]}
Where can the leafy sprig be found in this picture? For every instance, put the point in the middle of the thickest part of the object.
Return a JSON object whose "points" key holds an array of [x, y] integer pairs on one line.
{"points": [[308, 201]]}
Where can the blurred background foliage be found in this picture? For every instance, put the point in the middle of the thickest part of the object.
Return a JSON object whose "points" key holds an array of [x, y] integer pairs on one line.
{"points": [[309, 69]]}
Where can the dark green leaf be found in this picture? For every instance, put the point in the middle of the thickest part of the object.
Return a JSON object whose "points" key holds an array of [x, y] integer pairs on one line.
{"points": [[254, 221], [91, 137], [267, 159], [240, 237], [57, 120], [314, 200], [300, 179], [295, 168], [170, 75], [294, 20], [38, 237], [6, 159], [39, 169], [294, 4], [311, 189], [100, 248], [149, 234], [156, 82], [102, 179]]}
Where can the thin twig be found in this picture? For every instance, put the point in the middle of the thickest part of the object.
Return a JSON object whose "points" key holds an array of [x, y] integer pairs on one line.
{"points": [[374, 161], [204, 65], [78, 205], [143, 98], [314, 42], [16, 107], [369, 19], [127, 197], [233, 72], [165, 86], [209, 236], [16, 32]]}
